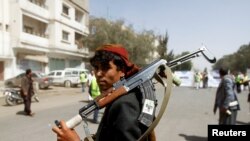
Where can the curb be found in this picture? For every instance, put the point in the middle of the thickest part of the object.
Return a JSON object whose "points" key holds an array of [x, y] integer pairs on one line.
{"points": [[2, 88], [1, 92]]}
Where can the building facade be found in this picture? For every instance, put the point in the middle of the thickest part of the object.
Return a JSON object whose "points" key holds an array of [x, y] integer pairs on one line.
{"points": [[43, 35]]}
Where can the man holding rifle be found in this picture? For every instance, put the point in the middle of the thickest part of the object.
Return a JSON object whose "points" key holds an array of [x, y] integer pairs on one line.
{"points": [[120, 120]]}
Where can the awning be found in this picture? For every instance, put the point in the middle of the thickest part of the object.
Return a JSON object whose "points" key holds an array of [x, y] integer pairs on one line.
{"points": [[39, 58]]}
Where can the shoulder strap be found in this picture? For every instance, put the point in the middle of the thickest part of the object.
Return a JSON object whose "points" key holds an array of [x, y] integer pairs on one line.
{"points": [[167, 93]]}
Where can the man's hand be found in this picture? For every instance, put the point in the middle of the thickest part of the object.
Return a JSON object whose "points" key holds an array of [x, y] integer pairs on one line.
{"points": [[223, 109], [64, 133], [25, 94]]}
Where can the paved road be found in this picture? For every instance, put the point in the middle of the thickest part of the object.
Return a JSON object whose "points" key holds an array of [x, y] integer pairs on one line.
{"points": [[186, 118]]}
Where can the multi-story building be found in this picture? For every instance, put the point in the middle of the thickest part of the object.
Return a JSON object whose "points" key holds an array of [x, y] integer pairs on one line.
{"points": [[43, 35]]}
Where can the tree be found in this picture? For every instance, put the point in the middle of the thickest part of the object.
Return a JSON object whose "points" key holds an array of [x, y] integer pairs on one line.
{"points": [[139, 45], [238, 61], [162, 47]]}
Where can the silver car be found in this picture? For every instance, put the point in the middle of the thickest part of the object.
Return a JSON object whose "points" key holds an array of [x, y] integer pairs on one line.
{"points": [[43, 81]]}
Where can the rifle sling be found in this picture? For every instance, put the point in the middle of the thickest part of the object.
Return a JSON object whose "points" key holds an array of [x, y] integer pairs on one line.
{"points": [[167, 93]]}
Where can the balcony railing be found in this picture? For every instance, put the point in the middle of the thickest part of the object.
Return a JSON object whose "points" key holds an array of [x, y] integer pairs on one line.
{"points": [[34, 39], [36, 33], [38, 3], [34, 8]]}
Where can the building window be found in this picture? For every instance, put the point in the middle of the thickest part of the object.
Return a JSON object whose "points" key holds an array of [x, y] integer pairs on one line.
{"points": [[65, 10], [78, 16], [65, 35], [2, 27], [7, 27]]}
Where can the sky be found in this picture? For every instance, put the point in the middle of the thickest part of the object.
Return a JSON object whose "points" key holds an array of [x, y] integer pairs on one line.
{"points": [[221, 25]]}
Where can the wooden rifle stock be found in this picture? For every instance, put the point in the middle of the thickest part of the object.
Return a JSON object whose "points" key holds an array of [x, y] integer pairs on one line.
{"points": [[107, 98]]}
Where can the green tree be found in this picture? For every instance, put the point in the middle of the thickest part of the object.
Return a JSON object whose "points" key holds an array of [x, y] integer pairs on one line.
{"points": [[139, 45], [162, 48], [238, 61]]}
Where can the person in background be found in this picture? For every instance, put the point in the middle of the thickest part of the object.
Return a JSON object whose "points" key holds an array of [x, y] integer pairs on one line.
{"points": [[205, 78], [90, 76], [197, 80], [226, 100], [246, 82], [83, 80], [27, 91], [239, 80], [120, 119], [94, 91]]}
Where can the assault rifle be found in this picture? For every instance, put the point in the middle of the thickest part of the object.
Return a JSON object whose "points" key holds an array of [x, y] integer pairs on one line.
{"points": [[143, 80]]}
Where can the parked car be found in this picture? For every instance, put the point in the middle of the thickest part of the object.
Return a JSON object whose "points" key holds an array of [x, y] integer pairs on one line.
{"points": [[69, 77], [43, 81]]}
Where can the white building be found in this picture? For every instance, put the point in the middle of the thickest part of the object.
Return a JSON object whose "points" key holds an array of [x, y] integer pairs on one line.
{"points": [[43, 35]]}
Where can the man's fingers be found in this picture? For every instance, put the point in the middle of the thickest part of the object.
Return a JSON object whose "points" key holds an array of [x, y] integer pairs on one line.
{"points": [[63, 124], [56, 130]]}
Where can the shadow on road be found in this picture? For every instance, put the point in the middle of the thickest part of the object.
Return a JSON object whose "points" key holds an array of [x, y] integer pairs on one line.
{"points": [[21, 113], [193, 138], [84, 101], [242, 123]]}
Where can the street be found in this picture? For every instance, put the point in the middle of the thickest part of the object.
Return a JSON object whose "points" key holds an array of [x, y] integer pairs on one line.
{"points": [[188, 113]]}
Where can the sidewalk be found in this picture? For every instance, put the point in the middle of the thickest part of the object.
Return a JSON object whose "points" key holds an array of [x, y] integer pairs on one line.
{"points": [[1, 88]]}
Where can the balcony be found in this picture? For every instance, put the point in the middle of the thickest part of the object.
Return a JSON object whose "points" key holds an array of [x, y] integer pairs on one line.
{"points": [[34, 9], [80, 27], [32, 39], [83, 50], [40, 3]]}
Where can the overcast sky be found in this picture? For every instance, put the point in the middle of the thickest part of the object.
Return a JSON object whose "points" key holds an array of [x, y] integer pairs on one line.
{"points": [[222, 25]]}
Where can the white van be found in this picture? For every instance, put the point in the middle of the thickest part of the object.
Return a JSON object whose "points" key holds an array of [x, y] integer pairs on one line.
{"points": [[69, 77]]}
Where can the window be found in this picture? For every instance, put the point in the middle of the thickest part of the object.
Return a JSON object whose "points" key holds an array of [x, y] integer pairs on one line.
{"points": [[34, 75], [65, 10], [78, 16], [7, 27], [20, 75], [68, 73], [75, 72], [65, 35], [58, 73], [51, 74]]}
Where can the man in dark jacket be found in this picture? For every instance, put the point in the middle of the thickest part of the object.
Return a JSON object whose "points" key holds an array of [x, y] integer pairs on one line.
{"points": [[226, 100], [120, 120], [27, 91]]}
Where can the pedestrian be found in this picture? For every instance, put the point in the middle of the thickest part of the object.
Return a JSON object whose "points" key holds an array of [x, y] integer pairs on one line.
{"points": [[94, 91], [27, 91], [205, 78], [239, 79], [197, 80], [83, 80], [120, 120], [245, 82], [226, 99], [90, 76]]}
